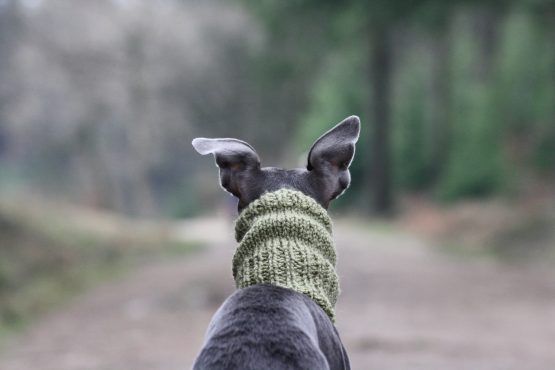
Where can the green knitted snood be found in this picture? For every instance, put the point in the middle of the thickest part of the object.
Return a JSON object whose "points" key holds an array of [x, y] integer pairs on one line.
{"points": [[285, 240]]}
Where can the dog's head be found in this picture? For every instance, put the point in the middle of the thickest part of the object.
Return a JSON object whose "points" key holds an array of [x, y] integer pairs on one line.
{"points": [[325, 177]]}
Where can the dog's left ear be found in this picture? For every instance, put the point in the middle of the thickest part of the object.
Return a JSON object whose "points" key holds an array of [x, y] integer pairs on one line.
{"points": [[331, 155], [238, 162]]}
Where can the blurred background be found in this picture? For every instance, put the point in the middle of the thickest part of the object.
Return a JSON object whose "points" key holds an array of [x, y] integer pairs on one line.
{"points": [[116, 239]]}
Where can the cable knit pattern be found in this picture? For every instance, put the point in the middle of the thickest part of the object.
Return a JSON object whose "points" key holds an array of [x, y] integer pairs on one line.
{"points": [[285, 240]]}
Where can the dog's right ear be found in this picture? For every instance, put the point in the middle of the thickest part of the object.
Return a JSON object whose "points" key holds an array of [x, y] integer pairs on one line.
{"points": [[236, 159], [330, 157]]}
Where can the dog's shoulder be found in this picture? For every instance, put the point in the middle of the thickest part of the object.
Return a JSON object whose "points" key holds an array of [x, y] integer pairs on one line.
{"points": [[328, 336], [265, 326]]}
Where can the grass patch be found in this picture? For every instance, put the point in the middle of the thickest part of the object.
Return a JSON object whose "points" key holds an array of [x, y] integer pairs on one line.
{"points": [[45, 259]]}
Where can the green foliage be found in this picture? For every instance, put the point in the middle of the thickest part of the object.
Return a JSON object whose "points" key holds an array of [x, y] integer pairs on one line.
{"points": [[527, 62], [475, 166], [525, 65], [181, 202], [486, 113], [338, 92], [412, 157]]}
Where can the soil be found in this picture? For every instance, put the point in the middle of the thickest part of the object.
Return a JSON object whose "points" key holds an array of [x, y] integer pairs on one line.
{"points": [[404, 305]]}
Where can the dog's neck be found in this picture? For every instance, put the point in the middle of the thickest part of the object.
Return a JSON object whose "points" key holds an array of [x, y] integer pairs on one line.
{"points": [[285, 240]]}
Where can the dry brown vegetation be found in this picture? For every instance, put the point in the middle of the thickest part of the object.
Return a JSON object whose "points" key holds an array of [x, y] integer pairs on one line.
{"points": [[50, 252], [518, 229]]}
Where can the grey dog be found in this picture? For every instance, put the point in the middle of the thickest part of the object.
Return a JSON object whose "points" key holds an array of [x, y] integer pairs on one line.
{"points": [[265, 326]]}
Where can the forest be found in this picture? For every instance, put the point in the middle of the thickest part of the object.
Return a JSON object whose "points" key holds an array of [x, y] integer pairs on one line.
{"points": [[100, 99]]}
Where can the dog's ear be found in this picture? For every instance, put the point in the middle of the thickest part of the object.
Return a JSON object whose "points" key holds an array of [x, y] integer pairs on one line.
{"points": [[331, 155], [236, 159]]}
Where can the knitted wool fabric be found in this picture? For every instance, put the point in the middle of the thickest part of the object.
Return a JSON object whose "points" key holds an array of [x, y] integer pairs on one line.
{"points": [[285, 240]]}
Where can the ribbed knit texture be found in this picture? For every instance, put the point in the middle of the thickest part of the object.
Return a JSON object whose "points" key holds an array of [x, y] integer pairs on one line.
{"points": [[285, 240]]}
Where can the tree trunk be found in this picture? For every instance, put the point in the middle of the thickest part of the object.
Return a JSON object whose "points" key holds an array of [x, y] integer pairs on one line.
{"points": [[138, 133], [440, 91], [380, 164], [551, 13], [487, 22], [11, 29]]}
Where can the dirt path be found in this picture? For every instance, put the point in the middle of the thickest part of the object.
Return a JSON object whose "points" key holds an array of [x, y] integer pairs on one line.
{"points": [[403, 306]]}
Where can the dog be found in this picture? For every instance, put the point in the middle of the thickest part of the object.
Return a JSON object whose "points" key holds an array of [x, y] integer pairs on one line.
{"points": [[266, 326]]}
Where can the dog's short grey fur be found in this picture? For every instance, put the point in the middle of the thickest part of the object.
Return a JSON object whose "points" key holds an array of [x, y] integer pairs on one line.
{"points": [[264, 326], [268, 327]]}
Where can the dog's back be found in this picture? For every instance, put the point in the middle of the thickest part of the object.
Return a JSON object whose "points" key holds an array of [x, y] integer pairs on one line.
{"points": [[269, 327]]}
